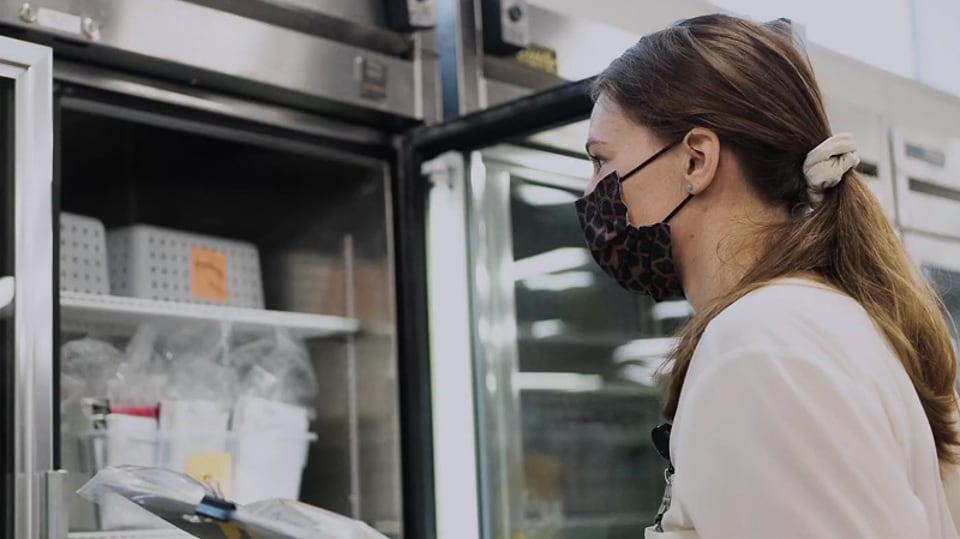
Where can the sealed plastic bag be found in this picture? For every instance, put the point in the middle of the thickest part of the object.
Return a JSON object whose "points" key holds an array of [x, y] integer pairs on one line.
{"points": [[174, 361], [313, 522], [134, 481], [87, 367], [276, 367], [193, 507], [196, 356]]}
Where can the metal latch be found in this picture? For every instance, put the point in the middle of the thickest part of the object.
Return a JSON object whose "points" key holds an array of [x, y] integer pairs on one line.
{"points": [[60, 21], [371, 75]]}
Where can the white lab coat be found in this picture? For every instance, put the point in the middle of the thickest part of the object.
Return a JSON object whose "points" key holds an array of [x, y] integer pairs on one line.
{"points": [[797, 420]]}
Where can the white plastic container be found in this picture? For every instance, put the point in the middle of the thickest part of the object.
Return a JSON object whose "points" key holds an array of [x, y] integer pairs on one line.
{"points": [[83, 255], [189, 428], [162, 264], [269, 464], [131, 440], [269, 449]]}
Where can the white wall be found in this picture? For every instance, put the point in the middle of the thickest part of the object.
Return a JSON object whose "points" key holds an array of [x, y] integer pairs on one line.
{"points": [[938, 44], [904, 101], [884, 40]]}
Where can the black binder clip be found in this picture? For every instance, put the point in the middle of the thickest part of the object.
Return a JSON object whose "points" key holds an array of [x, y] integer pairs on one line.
{"points": [[216, 508]]}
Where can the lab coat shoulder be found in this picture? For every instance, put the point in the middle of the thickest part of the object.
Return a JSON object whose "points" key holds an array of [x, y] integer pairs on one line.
{"points": [[792, 313], [771, 415]]}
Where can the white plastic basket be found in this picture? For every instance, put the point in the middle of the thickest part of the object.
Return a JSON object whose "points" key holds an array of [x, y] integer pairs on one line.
{"points": [[156, 263], [83, 255]]}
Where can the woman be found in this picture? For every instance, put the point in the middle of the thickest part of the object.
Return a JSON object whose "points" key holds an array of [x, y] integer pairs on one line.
{"points": [[812, 394]]}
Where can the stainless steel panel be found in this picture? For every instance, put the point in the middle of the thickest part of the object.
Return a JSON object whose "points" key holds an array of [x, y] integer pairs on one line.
{"points": [[426, 69], [29, 68], [205, 101], [246, 51], [373, 13], [366, 12], [361, 24]]}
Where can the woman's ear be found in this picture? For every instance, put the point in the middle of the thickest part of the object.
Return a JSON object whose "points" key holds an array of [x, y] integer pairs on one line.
{"points": [[701, 156]]}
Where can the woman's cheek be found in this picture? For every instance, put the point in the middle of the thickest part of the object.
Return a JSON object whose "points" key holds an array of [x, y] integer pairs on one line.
{"points": [[637, 213]]}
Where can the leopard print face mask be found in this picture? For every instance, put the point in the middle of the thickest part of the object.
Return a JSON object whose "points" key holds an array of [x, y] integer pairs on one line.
{"points": [[639, 258]]}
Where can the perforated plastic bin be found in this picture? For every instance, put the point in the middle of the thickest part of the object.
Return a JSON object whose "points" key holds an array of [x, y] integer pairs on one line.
{"points": [[83, 255], [156, 263]]}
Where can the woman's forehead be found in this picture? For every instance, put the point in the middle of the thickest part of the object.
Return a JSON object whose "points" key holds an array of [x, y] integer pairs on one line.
{"points": [[607, 120], [608, 123]]}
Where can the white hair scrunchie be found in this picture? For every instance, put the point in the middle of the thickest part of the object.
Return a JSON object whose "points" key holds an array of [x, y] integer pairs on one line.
{"points": [[826, 164]]}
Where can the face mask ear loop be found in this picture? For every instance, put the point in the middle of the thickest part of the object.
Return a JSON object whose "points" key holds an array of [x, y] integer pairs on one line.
{"points": [[675, 210], [649, 160]]}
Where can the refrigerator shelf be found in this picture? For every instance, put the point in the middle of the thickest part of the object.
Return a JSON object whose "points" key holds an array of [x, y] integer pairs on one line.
{"points": [[83, 312], [170, 533], [589, 522]]}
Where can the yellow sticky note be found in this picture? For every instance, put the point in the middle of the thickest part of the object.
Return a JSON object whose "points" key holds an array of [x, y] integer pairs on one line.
{"points": [[214, 469]]}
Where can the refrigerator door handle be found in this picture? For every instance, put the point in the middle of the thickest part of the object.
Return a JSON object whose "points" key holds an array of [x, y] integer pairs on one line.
{"points": [[56, 504], [7, 287]]}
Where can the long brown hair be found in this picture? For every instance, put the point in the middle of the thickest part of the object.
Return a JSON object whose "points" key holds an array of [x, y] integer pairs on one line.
{"points": [[751, 85]]}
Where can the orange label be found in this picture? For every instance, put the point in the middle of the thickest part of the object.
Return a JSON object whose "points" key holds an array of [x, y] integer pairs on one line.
{"points": [[208, 275]]}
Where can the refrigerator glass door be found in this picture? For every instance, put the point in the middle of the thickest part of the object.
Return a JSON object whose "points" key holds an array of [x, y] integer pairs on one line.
{"points": [[556, 361], [939, 260], [26, 295], [576, 398], [947, 284], [227, 302]]}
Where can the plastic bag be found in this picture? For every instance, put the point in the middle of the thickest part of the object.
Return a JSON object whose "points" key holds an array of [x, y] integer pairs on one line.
{"points": [[138, 481], [87, 366], [192, 507], [312, 522], [276, 368], [199, 341], [173, 361], [196, 356], [161, 492]]}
